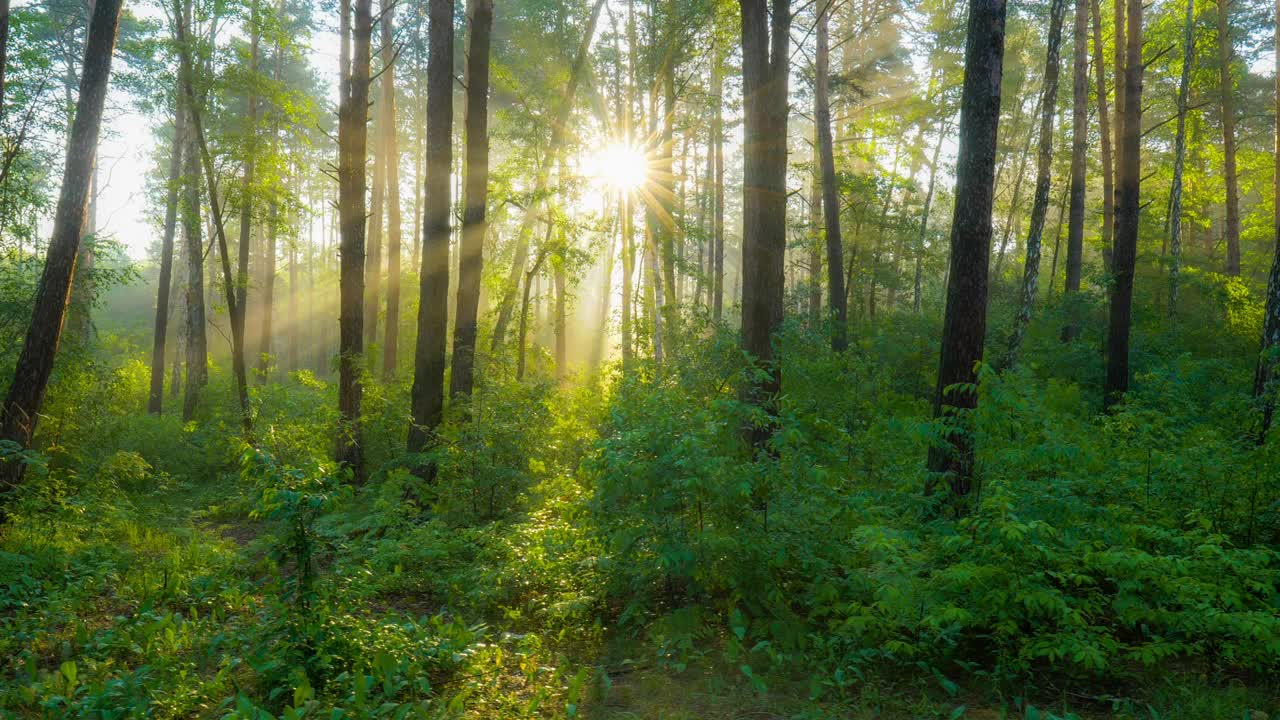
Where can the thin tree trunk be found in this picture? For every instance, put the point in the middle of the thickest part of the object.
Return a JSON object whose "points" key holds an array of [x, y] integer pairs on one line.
{"points": [[197, 340], [21, 409], [391, 149], [562, 330], [1126, 215], [965, 323], [717, 140], [1105, 133], [1044, 166], [427, 397], [1226, 85], [245, 242], [1079, 146], [1179, 158], [1264, 378], [924, 218], [475, 197], [1014, 200], [373, 230], [156, 399], [524, 303], [836, 297]]}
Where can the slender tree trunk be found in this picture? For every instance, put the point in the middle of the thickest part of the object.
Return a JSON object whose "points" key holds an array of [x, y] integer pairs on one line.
{"points": [[1057, 235], [1079, 146], [373, 231], [391, 149], [562, 330], [1044, 166], [247, 179], [21, 409], [197, 341], [965, 321], [1126, 246], [1013, 218], [353, 134], [427, 398], [1264, 378], [1179, 158], [524, 302], [156, 399], [1118, 48], [836, 296], [717, 140], [1226, 84], [813, 237], [1105, 132], [475, 198], [924, 218], [4, 53]]}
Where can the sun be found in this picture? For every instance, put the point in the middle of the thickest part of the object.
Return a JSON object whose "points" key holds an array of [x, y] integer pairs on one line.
{"points": [[619, 166]]}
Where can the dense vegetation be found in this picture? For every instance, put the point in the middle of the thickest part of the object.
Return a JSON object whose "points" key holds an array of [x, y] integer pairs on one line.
{"points": [[616, 359]]}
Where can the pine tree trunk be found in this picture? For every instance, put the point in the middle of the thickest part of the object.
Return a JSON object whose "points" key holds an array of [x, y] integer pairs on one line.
{"points": [[1044, 166], [1264, 378], [836, 296], [391, 149], [427, 397], [156, 399], [1126, 246], [1105, 133], [717, 140], [373, 229], [21, 409], [1179, 158], [965, 321], [245, 242], [475, 198], [353, 134], [1226, 84], [1079, 146], [197, 340]]}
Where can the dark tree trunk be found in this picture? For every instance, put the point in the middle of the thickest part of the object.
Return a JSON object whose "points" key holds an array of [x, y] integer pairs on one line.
{"points": [[245, 243], [1044, 166], [197, 340], [1105, 132], [35, 363], [1126, 245], [4, 53], [433, 301], [717, 233], [1079, 146], [836, 296], [156, 399], [391, 149], [475, 198], [1226, 85], [1264, 378], [766, 43], [524, 303], [373, 230], [1179, 158], [1118, 47], [965, 322], [353, 135]]}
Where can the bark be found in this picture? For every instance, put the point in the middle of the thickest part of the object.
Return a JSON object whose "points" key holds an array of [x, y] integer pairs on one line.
{"points": [[391, 149], [247, 180], [4, 53], [924, 219], [1226, 55], [562, 330], [1127, 211], [813, 238], [965, 321], [1044, 167], [427, 398], [1118, 47], [155, 401], [273, 222], [21, 409], [1265, 376], [1179, 158], [353, 135], [836, 296], [373, 230], [196, 339], [559, 125], [1079, 147], [475, 199], [524, 302], [628, 289], [1104, 130], [717, 140]]}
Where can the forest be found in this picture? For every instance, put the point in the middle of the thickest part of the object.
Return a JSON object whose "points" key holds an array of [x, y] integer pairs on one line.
{"points": [[640, 359]]}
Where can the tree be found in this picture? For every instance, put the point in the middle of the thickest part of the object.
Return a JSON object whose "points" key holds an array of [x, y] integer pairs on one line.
{"points": [[1105, 131], [1179, 157], [836, 297], [1264, 378], [197, 342], [766, 42], [475, 197], [353, 131], [1044, 163], [1227, 90], [21, 410], [717, 141], [391, 343], [1079, 145], [965, 321], [155, 399], [1127, 210], [427, 399]]}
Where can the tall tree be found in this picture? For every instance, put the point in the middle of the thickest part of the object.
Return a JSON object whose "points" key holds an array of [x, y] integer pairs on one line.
{"points": [[21, 410], [1127, 211], [1104, 130], [155, 400], [391, 149], [1264, 378], [717, 154], [353, 133], [965, 322], [270, 248], [1079, 146], [196, 339], [1227, 93], [247, 178], [766, 43], [836, 297], [1044, 165], [475, 198], [427, 399], [1179, 157]]}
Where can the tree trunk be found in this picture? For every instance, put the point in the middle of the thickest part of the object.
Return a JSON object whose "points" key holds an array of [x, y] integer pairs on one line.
{"points": [[197, 340], [1105, 133], [475, 197], [965, 321], [391, 149], [524, 302], [21, 409], [1118, 47], [1014, 200], [433, 300], [1264, 378], [246, 184], [156, 399], [717, 140], [1079, 146], [562, 330], [1044, 166], [4, 53], [558, 133], [1126, 246], [1179, 158], [1226, 84], [373, 230], [353, 134], [836, 297], [924, 218]]}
